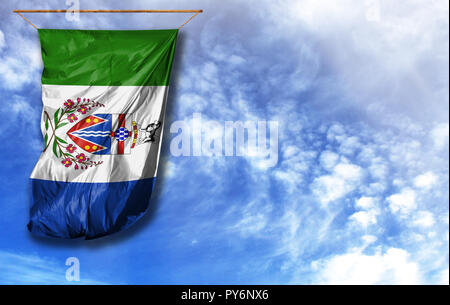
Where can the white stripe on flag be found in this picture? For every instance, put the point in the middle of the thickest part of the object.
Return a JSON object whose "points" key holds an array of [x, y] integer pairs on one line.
{"points": [[142, 104]]}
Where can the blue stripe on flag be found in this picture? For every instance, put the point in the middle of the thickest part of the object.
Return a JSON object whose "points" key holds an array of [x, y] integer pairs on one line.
{"points": [[74, 209]]}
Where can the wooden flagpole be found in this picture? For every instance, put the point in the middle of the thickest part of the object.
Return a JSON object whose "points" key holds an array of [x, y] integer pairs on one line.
{"points": [[196, 12]]}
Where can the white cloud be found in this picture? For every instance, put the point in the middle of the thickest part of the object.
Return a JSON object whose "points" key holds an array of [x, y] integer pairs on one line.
{"points": [[444, 277], [378, 168], [330, 188], [295, 164], [169, 169], [365, 218], [21, 110], [369, 213], [365, 203], [290, 151], [426, 180], [349, 145], [344, 179], [424, 219], [368, 239], [392, 267], [328, 159], [20, 60], [440, 135], [2, 40], [336, 132], [403, 202], [396, 37], [253, 220], [350, 172], [290, 178], [20, 68], [374, 188]]}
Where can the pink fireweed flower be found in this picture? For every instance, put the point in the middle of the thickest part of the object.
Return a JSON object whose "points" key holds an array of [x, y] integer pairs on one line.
{"points": [[81, 157], [82, 109], [71, 148], [67, 162], [78, 100], [72, 117], [69, 104], [76, 166]]}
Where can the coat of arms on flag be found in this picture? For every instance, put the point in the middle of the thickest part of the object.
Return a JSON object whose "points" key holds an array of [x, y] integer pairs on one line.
{"points": [[96, 134], [104, 95]]}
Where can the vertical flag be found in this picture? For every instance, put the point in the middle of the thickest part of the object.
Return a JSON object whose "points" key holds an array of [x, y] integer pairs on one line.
{"points": [[104, 96]]}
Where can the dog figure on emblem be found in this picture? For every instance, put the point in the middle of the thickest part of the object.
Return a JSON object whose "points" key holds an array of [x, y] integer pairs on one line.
{"points": [[147, 134]]}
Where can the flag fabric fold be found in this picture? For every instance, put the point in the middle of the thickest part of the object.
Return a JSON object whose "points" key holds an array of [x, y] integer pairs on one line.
{"points": [[104, 95]]}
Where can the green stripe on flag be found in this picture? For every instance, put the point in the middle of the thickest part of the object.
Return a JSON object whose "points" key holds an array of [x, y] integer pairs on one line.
{"points": [[107, 58]]}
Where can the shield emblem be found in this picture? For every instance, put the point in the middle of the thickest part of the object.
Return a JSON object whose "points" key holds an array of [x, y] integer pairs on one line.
{"points": [[104, 134]]}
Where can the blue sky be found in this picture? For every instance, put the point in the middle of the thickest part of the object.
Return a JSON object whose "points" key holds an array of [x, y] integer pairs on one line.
{"points": [[360, 193]]}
